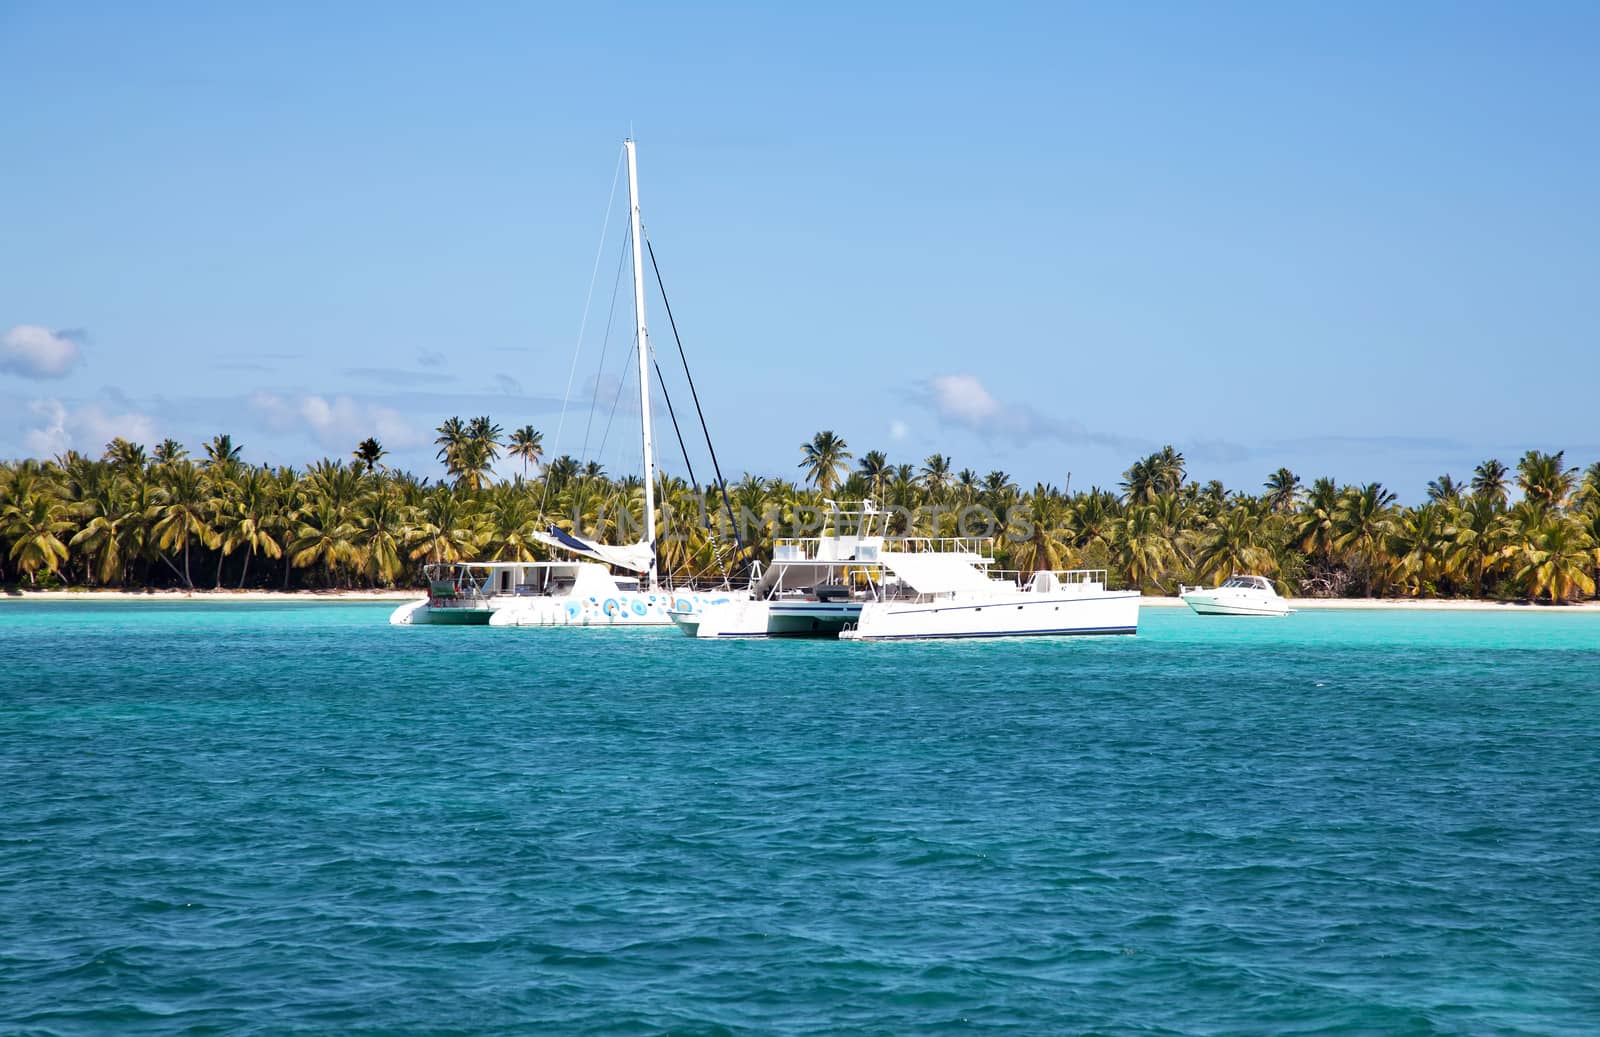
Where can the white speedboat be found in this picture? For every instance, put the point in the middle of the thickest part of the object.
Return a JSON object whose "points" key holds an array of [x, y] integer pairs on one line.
{"points": [[605, 585], [1239, 595], [854, 583]]}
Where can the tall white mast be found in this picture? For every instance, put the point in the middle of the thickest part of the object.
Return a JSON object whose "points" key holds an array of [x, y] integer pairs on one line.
{"points": [[644, 357]]}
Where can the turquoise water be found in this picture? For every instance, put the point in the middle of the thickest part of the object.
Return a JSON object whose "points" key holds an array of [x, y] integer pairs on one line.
{"points": [[280, 818]]}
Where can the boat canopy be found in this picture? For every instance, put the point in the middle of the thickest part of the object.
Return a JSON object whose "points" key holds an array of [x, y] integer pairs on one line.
{"points": [[633, 557], [935, 573]]}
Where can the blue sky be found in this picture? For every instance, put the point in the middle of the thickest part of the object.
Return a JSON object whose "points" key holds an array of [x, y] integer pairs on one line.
{"points": [[1360, 240]]}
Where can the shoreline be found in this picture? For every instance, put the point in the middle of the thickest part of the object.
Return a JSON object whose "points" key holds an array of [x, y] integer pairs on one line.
{"points": [[213, 597], [1405, 605], [225, 597]]}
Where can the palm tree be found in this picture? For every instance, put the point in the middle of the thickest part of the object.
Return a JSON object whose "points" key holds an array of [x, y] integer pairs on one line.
{"points": [[936, 475], [1489, 481], [169, 451], [445, 529], [101, 539], [124, 456], [1364, 520], [483, 449], [453, 442], [1546, 477], [367, 454], [1481, 535], [1282, 487], [1558, 560], [512, 524], [874, 467], [1039, 545], [528, 444], [182, 512], [825, 460], [248, 521], [560, 472], [1139, 548], [1444, 490], [221, 451], [1148, 477], [1422, 548], [1233, 542], [1317, 527], [34, 523], [1588, 494], [322, 535], [378, 538]]}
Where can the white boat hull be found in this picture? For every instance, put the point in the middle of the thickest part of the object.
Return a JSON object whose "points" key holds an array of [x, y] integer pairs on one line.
{"points": [[769, 618], [1023, 614], [1208, 605], [641, 609]]}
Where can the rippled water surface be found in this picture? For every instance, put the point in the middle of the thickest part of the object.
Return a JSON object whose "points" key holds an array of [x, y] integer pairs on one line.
{"points": [[276, 818]]}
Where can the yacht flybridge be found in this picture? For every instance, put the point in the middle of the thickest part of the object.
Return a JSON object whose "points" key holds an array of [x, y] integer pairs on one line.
{"points": [[856, 583], [604, 585]]}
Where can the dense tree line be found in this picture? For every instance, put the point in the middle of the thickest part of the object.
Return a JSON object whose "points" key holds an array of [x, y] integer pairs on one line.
{"points": [[165, 519]]}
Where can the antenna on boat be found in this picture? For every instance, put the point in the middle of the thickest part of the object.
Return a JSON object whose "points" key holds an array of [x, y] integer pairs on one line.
{"points": [[637, 240]]}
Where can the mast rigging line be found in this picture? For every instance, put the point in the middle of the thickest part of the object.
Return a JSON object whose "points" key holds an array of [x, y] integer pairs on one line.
{"points": [[722, 484], [583, 325], [605, 347]]}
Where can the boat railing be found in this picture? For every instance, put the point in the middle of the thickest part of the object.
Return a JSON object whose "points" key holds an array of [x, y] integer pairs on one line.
{"points": [[980, 546], [810, 549], [1057, 580]]}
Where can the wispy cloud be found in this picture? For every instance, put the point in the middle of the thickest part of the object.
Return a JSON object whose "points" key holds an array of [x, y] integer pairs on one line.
{"points": [[388, 376], [963, 400], [32, 351], [430, 358], [87, 427], [337, 423], [507, 384]]}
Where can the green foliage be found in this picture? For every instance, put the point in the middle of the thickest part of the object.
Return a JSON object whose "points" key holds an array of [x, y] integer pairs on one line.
{"points": [[138, 518]]}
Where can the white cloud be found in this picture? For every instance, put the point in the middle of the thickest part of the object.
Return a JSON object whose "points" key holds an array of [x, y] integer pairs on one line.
{"points": [[32, 351], [50, 438], [87, 427], [962, 398], [338, 423], [898, 430]]}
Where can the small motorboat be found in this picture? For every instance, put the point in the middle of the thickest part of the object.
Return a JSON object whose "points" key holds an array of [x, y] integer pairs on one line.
{"points": [[1238, 596]]}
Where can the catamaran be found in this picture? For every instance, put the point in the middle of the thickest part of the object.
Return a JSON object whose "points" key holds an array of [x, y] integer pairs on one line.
{"points": [[856, 583], [589, 589]]}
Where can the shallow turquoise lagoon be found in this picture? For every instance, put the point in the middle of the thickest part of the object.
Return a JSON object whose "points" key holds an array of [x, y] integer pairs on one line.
{"points": [[295, 818]]}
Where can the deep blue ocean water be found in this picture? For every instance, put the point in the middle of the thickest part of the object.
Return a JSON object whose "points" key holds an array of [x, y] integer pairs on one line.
{"points": [[295, 818]]}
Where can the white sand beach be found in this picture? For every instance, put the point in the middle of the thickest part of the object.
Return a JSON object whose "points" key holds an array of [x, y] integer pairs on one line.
{"points": [[212, 597], [1406, 605], [1148, 601]]}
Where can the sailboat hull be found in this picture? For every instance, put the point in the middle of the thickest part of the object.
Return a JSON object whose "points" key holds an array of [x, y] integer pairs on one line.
{"points": [[642, 609], [1024, 614]]}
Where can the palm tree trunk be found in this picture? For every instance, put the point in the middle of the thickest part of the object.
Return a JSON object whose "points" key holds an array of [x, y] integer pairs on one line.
{"points": [[221, 557], [246, 571], [186, 581]]}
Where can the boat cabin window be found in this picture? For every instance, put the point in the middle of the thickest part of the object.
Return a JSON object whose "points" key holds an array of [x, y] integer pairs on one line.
{"points": [[627, 583]]}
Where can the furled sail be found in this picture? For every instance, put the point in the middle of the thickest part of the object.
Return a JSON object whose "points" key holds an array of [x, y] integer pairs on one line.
{"points": [[633, 557]]}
